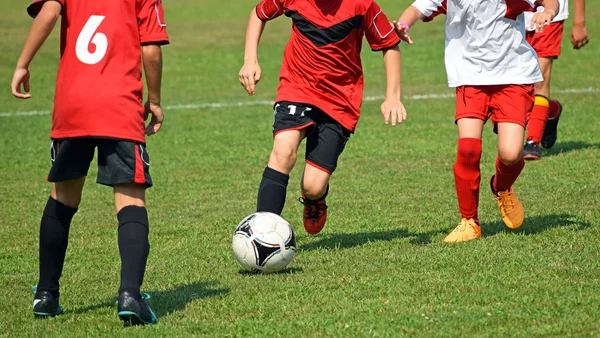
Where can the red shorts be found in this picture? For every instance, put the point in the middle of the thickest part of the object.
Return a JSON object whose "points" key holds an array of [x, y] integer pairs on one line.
{"points": [[503, 103], [547, 43]]}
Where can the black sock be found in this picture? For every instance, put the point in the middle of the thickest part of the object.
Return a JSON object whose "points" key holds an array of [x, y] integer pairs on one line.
{"points": [[320, 198], [54, 239], [271, 192], [133, 247]]}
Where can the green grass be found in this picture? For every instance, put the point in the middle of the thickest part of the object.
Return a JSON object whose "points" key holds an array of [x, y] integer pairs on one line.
{"points": [[378, 269]]}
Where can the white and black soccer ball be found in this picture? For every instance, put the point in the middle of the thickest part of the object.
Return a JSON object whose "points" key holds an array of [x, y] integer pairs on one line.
{"points": [[264, 242]]}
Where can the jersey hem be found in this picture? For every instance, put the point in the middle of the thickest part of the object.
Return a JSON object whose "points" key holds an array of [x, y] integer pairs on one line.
{"points": [[61, 136], [500, 82]]}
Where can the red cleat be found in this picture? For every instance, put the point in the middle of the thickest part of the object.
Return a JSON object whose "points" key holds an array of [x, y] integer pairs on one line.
{"points": [[315, 215]]}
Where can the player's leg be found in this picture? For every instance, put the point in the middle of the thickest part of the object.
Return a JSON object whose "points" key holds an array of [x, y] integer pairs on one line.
{"points": [[124, 165], [471, 113], [543, 118], [289, 129], [323, 149], [539, 114], [511, 106], [70, 163]]}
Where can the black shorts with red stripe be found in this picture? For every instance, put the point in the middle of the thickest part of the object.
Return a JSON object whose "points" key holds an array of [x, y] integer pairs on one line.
{"points": [[119, 161], [325, 137]]}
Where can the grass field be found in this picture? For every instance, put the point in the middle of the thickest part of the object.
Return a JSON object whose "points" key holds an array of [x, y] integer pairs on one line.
{"points": [[379, 268]]}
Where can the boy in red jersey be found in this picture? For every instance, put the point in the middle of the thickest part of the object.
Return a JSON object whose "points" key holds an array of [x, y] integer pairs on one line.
{"points": [[493, 70], [320, 91], [543, 119], [98, 104]]}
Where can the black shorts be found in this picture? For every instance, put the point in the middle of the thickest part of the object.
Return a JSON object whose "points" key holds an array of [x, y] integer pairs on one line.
{"points": [[326, 138], [119, 161]]}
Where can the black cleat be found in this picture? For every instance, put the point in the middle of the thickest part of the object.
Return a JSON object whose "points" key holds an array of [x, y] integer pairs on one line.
{"points": [[45, 305], [135, 312], [532, 151], [549, 137]]}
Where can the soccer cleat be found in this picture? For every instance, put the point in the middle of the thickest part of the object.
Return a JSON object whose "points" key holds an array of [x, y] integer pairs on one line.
{"points": [[466, 230], [549, 137], [45, 305], [135, 312], [532, 151], [315, 215], [510, 207]]}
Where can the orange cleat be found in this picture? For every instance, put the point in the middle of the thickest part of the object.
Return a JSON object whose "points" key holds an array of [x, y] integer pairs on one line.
{"points": [[510, 207], [466, 230], [315, 215]]}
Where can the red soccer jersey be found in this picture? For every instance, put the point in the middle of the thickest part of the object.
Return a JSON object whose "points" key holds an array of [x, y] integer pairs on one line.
{"points": [[321, 63], [99, 85]]}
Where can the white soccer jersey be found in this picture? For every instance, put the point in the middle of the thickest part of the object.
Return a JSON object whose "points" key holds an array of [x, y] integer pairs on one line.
{"points": [[563, 13], [485, 41]]}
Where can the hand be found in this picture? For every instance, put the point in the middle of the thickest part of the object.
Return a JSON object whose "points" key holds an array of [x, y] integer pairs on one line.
{"points": [[393, 109], [157, 117], [21, 77], [249, 76], [579, 36], [402, 31], [541, 19]]}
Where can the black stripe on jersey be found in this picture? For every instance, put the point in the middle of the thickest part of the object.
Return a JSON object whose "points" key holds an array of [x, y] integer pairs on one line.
{"points": [[321, 37]]}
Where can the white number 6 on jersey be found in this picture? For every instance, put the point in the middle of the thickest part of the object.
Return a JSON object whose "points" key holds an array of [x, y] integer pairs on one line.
{"points": [[89, 35]]}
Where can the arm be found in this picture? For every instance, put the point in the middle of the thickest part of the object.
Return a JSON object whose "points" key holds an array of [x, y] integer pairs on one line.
{"points": [[408, 18], [541, 19], [393, 72], [152, 60], [250, 73], [579, 35], [40, 30]]}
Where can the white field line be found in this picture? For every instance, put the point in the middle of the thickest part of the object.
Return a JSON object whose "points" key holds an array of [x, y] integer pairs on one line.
{"points": [[439, 96]]}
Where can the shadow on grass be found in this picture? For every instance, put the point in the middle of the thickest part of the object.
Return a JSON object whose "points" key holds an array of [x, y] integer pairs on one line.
{"points": [[290, 271], [341, 240], [536, 224], [165, 302], [565, 147]]}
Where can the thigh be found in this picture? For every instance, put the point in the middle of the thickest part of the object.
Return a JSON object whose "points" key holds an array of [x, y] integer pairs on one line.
{"points": [[325, 145], [472, 102], [71, 158], [122, 162], [512, 103]]}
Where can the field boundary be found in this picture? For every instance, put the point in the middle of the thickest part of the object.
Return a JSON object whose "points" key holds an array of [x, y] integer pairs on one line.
{"points": [[435, 96]]}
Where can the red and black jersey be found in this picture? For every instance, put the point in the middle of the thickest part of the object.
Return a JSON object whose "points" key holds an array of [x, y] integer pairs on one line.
{"points": [[321, 63], [99, 83]]}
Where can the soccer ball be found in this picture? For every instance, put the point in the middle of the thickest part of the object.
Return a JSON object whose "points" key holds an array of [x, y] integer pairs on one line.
{"points": [[264, 242]]}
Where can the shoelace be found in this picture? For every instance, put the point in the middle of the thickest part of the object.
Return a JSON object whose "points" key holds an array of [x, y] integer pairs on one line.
{"points": [[313, 210], [508, 202]]}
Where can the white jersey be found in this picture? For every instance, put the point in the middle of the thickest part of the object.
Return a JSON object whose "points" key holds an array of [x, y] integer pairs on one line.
{"points": [[485, 41], [563, 13]]}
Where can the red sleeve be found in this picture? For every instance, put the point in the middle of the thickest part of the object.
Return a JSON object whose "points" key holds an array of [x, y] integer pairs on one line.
{"points": [[442, 9], [378, 29], [34, 9], [514, 8], [269, 9], [151, 23]]}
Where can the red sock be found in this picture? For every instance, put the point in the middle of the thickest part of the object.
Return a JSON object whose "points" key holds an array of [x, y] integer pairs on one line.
{"points": [[537, 118], [467, 176], [506, 174], [554, 109]]}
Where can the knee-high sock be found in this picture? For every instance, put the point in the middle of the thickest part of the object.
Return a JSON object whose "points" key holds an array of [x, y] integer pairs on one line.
{"points": [[467, 176], [54, 237], [506, 174], [133, 247], [537, 118], [272, 191]]}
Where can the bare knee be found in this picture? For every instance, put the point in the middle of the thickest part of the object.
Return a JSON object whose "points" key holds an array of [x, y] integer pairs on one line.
{"points": [[510, 156], [129, 194], [68, 192], [283, 159]]}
